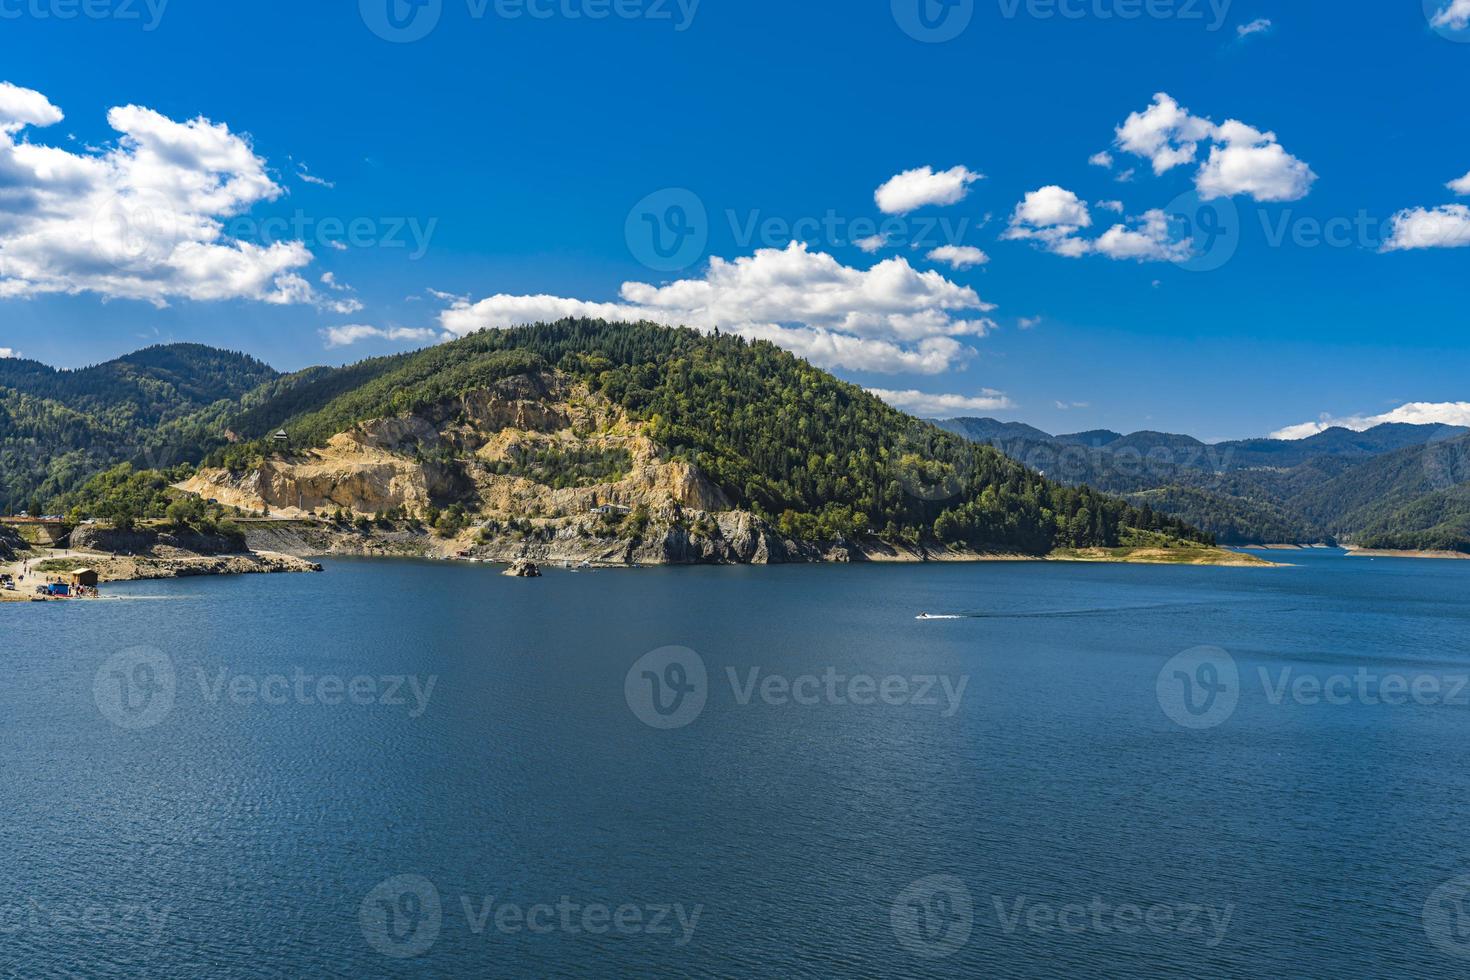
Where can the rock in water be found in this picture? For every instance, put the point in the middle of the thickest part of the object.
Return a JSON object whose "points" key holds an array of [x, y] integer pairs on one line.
{"points": [[522, 568]]}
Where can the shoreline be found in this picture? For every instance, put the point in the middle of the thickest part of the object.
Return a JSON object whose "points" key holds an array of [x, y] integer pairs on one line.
{"points": [[1355, 552]]}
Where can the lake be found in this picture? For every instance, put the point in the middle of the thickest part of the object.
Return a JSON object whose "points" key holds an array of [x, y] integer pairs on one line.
{"points": [[420, 769]]}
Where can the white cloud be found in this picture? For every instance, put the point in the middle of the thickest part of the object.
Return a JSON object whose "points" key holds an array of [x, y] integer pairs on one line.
{"points": [[1258, 26], [1243, 159], [1165, 133], [871, 244], [1126, 176], [914, 189], [21, 107], [1029, 322], [141, 220], [8, 352], [1103, 159], [306, 176], [1149, 240], [889, 318], [959, 256], [356, 332], [1069, 406], [1442, 227], [1114, 206], [1415, 413], [1251, 162], [1455, 15], [928, 405], [1055, 217], [1462, 185]]}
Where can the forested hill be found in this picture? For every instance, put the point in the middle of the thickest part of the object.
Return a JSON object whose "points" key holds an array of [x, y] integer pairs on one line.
{"points": [[152, 407], [779, 437]]}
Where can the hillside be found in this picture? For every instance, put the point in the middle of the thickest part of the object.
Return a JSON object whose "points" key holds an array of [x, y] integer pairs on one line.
{"points": [[153, 408], [533, 428], [1396, 485]]}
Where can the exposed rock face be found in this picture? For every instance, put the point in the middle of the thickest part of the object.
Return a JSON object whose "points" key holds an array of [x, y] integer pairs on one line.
{"points": [[522, 568], [153, 543], [459, 452]]}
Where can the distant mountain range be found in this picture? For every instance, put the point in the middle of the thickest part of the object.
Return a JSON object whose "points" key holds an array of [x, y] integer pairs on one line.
{"points": [[1392, 486]]}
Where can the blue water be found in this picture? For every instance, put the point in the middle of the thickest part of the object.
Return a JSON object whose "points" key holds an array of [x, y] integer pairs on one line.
{"points": [[209, 833]]}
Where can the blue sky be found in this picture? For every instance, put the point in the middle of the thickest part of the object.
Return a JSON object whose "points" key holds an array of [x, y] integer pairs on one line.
{"points": [[505, 165]]}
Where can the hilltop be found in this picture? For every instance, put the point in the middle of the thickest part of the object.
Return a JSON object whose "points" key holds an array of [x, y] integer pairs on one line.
{"points": [[624, 442]]}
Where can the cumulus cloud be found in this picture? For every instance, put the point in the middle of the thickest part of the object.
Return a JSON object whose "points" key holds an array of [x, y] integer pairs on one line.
{"points": [[928, 405], [141, 220], [872, 244], [1442, 227], [1051, 216], [356, 332], [1165, 133], [1115, 206], [1029, 322], [1054, 218], [1103, 159], [959, 256], [1242, 159], [1462, 185], [1147, 239], [1415, 413], [8, 352], [914, 189], [1258, 26], [1251, 162], [889, 318], [1454, 15]]}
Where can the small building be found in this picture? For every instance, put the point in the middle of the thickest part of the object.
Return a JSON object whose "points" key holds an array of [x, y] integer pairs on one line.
{"points": [[614, 510], [280, 438], [85, 577]]}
